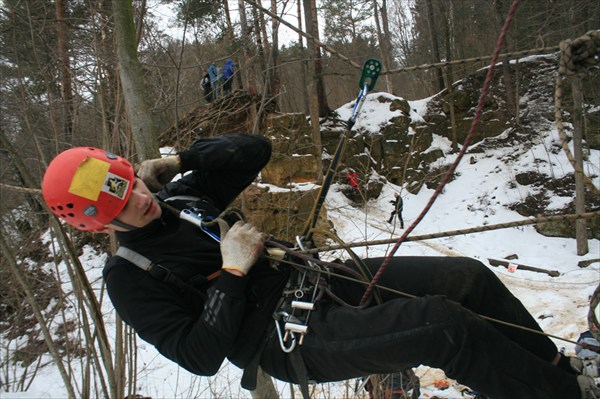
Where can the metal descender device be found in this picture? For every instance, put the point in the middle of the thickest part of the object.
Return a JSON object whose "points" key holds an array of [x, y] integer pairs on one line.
{"points": [[291, 319]]}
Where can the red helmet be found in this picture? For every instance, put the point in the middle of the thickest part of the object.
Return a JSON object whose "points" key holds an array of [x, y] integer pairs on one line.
{"points": [[87, 187]]}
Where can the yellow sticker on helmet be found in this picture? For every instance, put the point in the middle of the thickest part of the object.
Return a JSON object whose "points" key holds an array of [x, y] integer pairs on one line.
{"points": [[89, 178]]}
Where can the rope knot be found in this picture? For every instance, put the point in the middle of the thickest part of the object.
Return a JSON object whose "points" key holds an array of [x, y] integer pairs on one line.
{"points": [[579, 54]]}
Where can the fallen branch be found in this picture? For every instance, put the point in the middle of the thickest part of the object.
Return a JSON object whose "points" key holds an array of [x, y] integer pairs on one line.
{"points": [[586, 263], [510, 265]]}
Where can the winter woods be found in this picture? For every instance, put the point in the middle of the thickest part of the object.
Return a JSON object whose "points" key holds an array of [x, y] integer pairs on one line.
{"points": [[115, 74]]}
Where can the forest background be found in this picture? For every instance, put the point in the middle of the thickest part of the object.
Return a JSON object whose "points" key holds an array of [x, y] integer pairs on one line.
{"points": [[106, 74]]}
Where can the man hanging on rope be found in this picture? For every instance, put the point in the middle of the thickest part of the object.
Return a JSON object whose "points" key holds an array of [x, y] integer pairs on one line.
{"points": [[200, 294]]}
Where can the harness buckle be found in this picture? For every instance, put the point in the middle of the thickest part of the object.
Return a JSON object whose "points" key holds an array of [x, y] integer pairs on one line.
{"points": [[283, 338]]}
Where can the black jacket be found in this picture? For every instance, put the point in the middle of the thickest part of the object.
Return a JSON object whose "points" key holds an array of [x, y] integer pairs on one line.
{"points": [[198, 327]]}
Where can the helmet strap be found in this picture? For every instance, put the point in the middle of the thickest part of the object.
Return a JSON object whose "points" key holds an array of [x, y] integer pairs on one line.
{"points": [[118, 223]]}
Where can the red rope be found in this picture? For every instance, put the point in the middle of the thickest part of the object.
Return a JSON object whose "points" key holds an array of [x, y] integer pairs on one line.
{"points": [[462, 152]]}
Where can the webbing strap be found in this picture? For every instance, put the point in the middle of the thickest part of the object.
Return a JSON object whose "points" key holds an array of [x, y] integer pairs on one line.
{"points": [[139, 260], [146, 264]]}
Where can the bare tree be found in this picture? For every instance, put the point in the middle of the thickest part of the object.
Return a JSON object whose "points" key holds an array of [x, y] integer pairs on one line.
{"points": [[434, 43], [580, 224], [314, 69], [134, 91], [304, 64], [507, 76], [380, 15], [65, 69]]}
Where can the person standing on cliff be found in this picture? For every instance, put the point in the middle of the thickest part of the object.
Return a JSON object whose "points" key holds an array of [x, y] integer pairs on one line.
{"points": [[398, 205]]}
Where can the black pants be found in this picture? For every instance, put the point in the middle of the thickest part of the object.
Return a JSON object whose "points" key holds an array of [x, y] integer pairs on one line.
{"points": [[440, 328]]}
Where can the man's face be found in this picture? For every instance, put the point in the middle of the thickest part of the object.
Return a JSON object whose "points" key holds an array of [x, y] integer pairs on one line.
{"points": [[141, 208]]}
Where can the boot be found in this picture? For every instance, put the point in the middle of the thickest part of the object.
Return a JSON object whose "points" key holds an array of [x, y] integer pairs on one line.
{"points": [[589, 389], [588, 367]]}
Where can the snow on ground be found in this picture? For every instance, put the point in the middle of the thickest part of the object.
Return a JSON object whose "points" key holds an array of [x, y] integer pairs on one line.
{"points": [[478, 196]]}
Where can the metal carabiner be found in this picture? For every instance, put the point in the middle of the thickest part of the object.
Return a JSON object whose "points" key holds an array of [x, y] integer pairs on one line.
{"points": [[293, 343]]}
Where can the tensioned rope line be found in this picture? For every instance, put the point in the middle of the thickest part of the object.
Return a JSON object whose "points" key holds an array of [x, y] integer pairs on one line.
{"points": [[577, 56], [36, 191], [498, 226], [451, 233], [450, 173], [513, 55]]}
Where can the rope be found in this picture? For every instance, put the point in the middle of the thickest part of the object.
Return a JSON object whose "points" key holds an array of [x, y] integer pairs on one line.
{"points": [[26, 190], [517, 223], [513, 55], [447, 177], [593, 323], [576, 58], [578, 55]]}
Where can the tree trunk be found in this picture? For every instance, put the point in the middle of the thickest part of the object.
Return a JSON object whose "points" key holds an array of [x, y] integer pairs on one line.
{"points": [[507, 76], [262, 46], [134, 92], [313, 79], [434, 45], [385, 44], [580, 224], [304, 63], [231, 37], [274, 71], [312, 27], [66, 89], [248, 63], [449, 72]]}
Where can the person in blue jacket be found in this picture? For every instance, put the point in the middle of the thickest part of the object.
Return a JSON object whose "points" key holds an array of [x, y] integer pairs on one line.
{"points": [[202, 293], [227, 73], [213, 74]]}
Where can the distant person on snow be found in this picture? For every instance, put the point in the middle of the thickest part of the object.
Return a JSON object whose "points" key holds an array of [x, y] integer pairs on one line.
{"points": [[352, 180], [211, 295], [227, 72], [398, 205]]}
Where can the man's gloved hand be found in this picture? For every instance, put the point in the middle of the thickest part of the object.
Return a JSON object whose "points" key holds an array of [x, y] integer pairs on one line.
{"points": [[155, 173], [241, 247]]}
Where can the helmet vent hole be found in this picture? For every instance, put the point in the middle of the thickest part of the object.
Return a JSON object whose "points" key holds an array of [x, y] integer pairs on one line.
{"points": [[71, 215], [60, 208], [82, 226], [62, 215], [70, 206]]}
